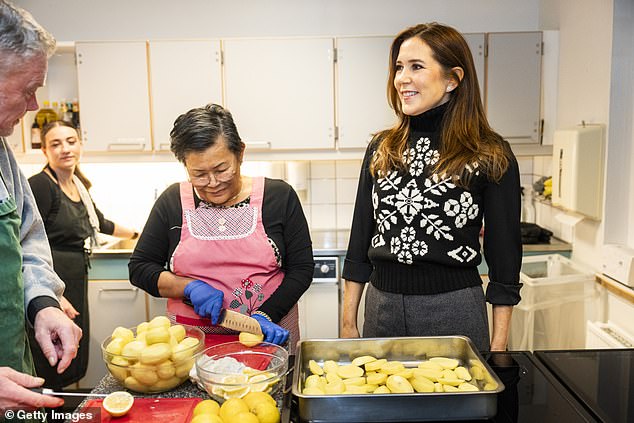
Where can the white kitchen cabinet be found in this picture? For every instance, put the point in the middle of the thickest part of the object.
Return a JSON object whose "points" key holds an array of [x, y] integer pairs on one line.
{"points": [[156, 306], [513, 85], [114, 96], [281, 92], [112, 303], [318, 311], [477, 43], [15, 139], [362, 73], [183, 75]]}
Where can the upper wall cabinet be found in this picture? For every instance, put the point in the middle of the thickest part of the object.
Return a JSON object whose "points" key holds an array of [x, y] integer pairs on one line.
{"points": [[362, 73], [281, 92], [514, 85], [113, 96], [477, 43], [183, 75]]}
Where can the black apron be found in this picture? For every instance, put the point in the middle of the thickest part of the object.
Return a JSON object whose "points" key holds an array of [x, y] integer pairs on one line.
{"points": [[67, 229]]}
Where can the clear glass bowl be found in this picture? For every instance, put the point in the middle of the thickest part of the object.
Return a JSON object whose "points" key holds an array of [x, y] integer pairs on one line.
{"points": [[157, 370], [232, 370]]}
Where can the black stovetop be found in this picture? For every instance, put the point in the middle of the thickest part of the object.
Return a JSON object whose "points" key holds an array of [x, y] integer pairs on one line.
{"points": [[532, 394], [602, 380]]}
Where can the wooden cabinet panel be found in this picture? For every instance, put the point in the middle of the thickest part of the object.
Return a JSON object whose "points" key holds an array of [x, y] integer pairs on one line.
{"points": [[281, 92], [362, 73], [113, 96], [183, 75], [514, 85]]}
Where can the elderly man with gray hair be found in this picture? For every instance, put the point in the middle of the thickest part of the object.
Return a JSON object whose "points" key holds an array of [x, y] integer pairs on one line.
{"points": [[30, 290]]}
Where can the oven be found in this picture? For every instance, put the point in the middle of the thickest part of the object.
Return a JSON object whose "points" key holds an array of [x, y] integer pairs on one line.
{"points": [[319, 306]]}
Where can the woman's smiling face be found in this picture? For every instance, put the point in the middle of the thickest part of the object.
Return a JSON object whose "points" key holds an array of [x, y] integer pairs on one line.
{"points": [[421, 82]]}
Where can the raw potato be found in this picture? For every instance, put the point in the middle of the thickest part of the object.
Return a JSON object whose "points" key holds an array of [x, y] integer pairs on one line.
{"points": [[315, 368], [155, 353], [157, 335], [438, 374], [360, 361], [348, 371], [446, 363], [249, 339], [375, 365], [422, 384], [399, 385], [462, 373]]}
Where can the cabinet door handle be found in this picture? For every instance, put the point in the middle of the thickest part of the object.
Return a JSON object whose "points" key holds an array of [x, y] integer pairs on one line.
{"points": [[126, 146], [118, 289]]}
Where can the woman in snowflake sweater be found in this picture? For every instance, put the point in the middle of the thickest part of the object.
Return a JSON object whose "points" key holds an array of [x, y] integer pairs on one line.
{"points": [[427, 185]]}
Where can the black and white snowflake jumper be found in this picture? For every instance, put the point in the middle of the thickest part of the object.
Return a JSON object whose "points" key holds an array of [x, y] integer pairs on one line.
{"points": [[415, 233]]}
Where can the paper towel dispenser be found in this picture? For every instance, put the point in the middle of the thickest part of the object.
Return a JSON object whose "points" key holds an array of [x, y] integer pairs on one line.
{"points": [[578, 167]]}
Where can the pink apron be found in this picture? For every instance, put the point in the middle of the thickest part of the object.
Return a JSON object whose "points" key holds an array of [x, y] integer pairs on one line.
{"points": [[228, 249]]}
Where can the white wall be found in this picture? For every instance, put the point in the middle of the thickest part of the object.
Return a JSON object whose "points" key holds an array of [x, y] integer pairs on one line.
{"points": [[585, 45], [142, 19]]}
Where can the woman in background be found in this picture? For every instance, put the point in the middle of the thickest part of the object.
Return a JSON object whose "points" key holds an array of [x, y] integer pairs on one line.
{"points": [[72, 222], [426, 187], [223, 239]]}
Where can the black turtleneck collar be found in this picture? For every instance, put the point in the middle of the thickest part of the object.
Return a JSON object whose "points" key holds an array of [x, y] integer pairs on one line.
{"points": [[428, 121]]}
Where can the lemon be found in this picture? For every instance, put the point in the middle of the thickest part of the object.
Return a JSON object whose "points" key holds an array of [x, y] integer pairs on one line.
{"points": [[250, 339], [231, 408], [206, 418], [254, 398], [255, 386], [267, 412], [118, 403], [207, 407], [243, 417]]}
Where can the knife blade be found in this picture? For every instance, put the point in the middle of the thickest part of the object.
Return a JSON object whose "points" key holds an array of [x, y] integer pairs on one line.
{"points": [[233, 320], [48, 391], [239, 322]]}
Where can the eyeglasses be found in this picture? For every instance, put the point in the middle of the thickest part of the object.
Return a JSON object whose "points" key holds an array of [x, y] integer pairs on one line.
{"points": [[219, 176]]}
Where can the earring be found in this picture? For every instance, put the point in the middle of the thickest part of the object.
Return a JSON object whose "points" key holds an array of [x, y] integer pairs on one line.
{"points": [[450, 88]]}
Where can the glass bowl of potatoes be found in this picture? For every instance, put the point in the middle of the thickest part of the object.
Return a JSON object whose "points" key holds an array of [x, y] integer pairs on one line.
{"points": [[232, 370], [154, 356]]}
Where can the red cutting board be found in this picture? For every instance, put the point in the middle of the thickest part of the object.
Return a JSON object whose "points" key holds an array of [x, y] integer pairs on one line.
{"points": [[154, 410]]}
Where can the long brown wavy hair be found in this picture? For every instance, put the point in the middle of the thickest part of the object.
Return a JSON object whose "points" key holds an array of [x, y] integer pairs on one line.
{"points": [[466, 138], [54, 124]]}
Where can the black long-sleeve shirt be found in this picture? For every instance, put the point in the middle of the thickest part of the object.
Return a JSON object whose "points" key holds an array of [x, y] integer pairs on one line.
{"points": [[415, 233], [284, 223]]}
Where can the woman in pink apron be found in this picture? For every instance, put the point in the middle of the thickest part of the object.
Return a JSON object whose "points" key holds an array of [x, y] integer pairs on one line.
{"points": [[222, 239]]}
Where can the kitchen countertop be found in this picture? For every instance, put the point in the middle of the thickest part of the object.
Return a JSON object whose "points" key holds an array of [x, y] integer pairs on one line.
{"points": [[534, 391], [335, 243]]}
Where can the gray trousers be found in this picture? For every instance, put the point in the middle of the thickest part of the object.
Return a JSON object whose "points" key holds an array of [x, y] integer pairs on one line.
{"points": [[461, 312]]}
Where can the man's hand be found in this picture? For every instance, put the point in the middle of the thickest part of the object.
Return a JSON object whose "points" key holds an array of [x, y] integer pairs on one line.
{"points": [[58, 337], [14, 391], [68, 308]]}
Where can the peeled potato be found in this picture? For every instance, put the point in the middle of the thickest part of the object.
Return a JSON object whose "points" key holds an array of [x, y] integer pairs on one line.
{"points": [[124, 333], [357, 381], [349, 371], [422, 384], [462, 373], [330, 366], [249, 339], [178, 332], [382, 390], [315, 368], [430, 374], [155, 353], [144, 373], [157, 335], [159, 321], [375, 365], [360, 361], [399, 385], [446, 363], [465, 386]]}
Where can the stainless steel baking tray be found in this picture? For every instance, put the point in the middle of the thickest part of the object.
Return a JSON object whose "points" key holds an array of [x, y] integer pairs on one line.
{"points": [[393, 407]]}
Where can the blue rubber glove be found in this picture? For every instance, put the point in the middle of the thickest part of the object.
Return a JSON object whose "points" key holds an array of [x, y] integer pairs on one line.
{"points": [[207, 300], [273, 333]]}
